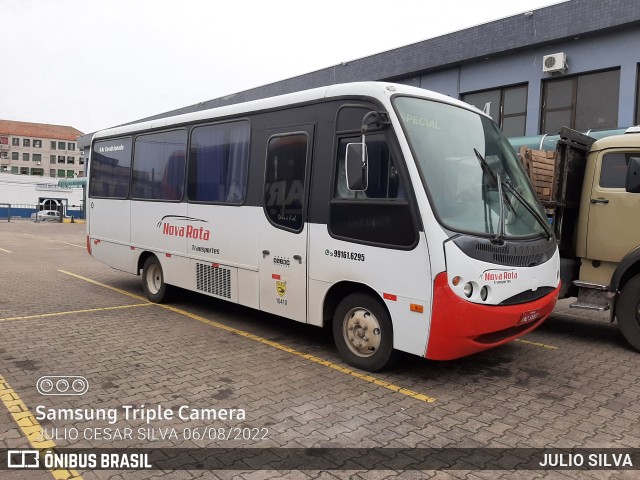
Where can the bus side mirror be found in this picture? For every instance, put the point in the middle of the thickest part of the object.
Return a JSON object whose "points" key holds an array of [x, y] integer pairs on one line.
{"points": [[357, 167], [632, 184]]}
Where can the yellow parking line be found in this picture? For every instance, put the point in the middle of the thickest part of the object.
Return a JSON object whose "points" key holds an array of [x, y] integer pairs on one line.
{"points": [[5, 251], [30, 426], [71, 312], [52, 240], [279, 346], [536, 344]]}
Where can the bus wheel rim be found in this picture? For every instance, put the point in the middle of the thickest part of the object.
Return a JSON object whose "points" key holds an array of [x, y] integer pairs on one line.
{"points": [[154, 279], [362, 332]]}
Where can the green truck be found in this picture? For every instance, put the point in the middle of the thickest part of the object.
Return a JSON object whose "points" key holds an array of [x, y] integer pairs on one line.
{"points": [[594, 207]]}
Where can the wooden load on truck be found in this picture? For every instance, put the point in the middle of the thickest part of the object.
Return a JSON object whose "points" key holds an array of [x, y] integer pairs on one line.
{"points": [[557, 177]]}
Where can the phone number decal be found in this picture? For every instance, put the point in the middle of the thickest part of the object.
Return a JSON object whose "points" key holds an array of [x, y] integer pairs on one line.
{"points": [[359, 257]]}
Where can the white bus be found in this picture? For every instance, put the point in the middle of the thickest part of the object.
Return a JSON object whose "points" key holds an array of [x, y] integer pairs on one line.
{"points": [[399, 216]]}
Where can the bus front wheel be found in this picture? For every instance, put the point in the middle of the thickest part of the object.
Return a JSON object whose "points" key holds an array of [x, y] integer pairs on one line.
{"points": [[363, 332], [153, 283]]}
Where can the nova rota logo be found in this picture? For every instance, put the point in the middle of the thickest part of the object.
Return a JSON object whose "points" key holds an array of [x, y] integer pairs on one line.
{"points": [[499, 275], [169, 226]]}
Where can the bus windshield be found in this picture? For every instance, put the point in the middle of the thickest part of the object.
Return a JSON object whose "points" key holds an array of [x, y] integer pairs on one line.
{"points": [[462, 156]]}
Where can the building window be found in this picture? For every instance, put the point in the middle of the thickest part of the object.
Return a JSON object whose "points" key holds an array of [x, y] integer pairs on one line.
{"points": [[71, 146], [15, 142], [52, 172], [37, 157], [61, 145], [53, 145], [582, 102], [15, 156], [4, 154], [25, 157], [507, 106], [24, 170], [52, 159], [70, 173], [26, 142], [71, 159], [81, 161], [61, 158], [81, 173], [37, 144], [14, 170], [60, 173]]}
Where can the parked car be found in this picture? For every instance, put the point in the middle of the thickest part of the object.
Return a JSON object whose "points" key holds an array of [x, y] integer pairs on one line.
{"points": [[46, 216]]}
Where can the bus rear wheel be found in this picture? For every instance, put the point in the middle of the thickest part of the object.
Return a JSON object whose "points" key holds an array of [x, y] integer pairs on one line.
{"points": [[628, 312], [363, 332], [155, 289]]}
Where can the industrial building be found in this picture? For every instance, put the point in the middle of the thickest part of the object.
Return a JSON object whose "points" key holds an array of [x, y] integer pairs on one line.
{"points": [[572, 64]]}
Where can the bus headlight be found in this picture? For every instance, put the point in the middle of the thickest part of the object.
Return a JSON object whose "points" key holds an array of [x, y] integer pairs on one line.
{"points": [[468, 289], [484, 293]]}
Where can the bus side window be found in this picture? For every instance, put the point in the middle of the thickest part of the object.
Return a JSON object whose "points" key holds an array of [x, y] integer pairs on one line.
{"points": [[380, 215], [110, 168], [219, 163], [284, 180], [159, 166], [384, 181]]}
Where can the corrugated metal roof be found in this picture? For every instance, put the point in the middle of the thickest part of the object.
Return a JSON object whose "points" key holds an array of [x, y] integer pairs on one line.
{"points": [[38, 130]]}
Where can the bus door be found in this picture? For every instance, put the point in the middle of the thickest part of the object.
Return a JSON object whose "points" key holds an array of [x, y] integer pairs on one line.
{"points": [[284, 231]]}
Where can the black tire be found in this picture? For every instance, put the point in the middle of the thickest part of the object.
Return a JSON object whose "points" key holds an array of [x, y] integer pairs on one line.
{"points": [[363, 333], [628, 312], [153, 284]]}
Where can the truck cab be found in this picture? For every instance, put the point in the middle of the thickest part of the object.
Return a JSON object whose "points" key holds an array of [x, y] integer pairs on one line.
{"points": [[595, 207]]}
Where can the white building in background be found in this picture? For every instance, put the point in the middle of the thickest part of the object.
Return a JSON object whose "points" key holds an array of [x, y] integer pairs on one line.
{"points": [[29, 190]]}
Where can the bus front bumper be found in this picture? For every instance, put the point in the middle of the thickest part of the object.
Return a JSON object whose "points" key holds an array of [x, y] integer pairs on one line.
{"points": [[460, 328]]}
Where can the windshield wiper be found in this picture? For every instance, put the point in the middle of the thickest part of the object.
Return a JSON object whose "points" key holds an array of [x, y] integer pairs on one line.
{"points": [[487, 169], [544, 224], [499, 183], [499, 238]]}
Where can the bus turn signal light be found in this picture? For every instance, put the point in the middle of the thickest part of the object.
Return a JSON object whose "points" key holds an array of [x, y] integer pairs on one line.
{"points": [[456, 281], [414, 307]]}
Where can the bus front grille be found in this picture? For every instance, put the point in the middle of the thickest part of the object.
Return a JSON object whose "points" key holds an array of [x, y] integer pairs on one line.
{"points": [[213, 280]]}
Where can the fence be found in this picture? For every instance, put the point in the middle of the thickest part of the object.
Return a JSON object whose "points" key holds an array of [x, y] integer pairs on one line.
{"points": [[21, 211]]}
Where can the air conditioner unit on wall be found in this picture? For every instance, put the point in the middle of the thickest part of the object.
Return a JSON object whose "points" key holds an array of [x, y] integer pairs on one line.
{"points": [[556, 62]]}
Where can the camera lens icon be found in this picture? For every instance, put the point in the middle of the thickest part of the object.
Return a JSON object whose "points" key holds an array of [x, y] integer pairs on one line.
{"points": [[62, 385]]}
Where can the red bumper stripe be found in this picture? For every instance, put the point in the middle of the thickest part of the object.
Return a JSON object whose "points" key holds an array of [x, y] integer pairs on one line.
{"points": [[460, 328]]}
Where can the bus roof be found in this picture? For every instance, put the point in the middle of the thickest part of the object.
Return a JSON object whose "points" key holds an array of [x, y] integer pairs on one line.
{"points": [[377, 90]]}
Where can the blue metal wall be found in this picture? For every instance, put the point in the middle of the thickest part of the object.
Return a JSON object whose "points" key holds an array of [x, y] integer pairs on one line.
{"points": [[614, 50]]}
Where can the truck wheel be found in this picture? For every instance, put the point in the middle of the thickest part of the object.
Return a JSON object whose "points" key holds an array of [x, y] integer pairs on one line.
{"points": [[363, 332], [153, 281], [628, 312]]}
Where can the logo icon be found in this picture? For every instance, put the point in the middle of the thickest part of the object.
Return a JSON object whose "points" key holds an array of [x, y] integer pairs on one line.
{"points": [[62, 385], [281, 287], [23, 459]]}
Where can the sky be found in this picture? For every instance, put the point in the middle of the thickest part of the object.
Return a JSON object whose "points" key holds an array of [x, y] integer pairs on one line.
{"points": [[93, 64]]}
